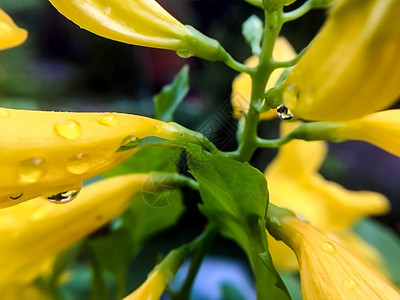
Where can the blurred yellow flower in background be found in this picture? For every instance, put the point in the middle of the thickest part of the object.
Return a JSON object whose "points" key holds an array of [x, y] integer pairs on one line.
{"points": [[10, 34], [329, 270], [381, 129], [241, 85], [294, 183]]}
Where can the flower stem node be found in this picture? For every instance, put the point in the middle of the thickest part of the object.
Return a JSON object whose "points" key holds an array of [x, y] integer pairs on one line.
{"points": [[274, 5]]}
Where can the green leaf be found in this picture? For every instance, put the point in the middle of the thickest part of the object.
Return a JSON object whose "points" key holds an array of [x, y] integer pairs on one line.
{"points": [[235, 198], [148, 160], [386, 242], [145, 219], [168, 100]]}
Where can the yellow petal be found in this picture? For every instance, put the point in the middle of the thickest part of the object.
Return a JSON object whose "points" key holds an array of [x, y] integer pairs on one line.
{"points": [[351, 68], [10, 34], [139, 22], [381, 129], [34, 232], [152, 288], [328, 270], [45, 153], [294, 183], [241, 85]]}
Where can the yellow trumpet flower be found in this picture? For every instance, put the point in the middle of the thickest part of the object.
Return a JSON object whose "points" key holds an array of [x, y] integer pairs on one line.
{"points": [[381, 129], [160, 276], [10, 34], [352, 67], [34, 232], [47, 153], [294, 183], [327, 269], [241, 85], [139, 22]]}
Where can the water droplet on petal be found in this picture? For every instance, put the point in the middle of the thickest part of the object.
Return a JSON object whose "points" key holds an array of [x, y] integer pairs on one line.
{"points": [[68, 129], [108, 120], [30, 170], [107, 10], [184, 53], [130, 141], [64, 197], [328, 247], [284, 113], [349, 284], [4, 113], [79, 164], [16, 196]]}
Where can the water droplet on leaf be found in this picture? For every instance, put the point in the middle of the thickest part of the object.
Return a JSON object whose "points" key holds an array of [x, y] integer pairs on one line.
{"points": [[284, 113], [64, 197], [30, 170], [79, 164], [108, 120], [68, 129]]}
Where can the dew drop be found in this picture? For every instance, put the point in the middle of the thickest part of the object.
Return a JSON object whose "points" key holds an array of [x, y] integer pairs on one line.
{"points": [[184, 53], [349, 284], [64, 197], [107, 10], [284, 113], [68, 129], [16, 197], [130, 141], [30, 170], [328, 247], [4, 113], [79, 164], [108, 120]]}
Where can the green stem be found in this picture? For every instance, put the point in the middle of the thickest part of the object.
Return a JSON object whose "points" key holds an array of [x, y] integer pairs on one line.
{"points": [[289, 63], [203, 244], [260, 76], [298, 12], [274, 143], [235, 65]]}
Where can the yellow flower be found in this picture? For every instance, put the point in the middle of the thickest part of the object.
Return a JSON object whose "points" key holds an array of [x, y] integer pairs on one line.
{"points": [[160, 277], [139, 22], [328, 270], [352, 67], [10, 34], [381, 129], [294, 183], [241, 85], [45, 153], [34, 232]]}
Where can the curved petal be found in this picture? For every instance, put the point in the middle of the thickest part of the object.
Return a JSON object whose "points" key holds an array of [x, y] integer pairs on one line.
{"points": [[34, 232], [45, 153], [351, 68], [10, 34], [328, 270], [381, 129]]}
